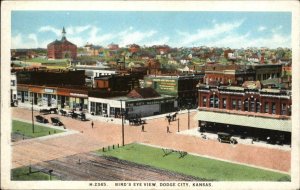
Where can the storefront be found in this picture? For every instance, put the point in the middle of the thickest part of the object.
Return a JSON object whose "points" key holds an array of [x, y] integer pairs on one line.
{"points": [[67, 98], [72, 99], [111, 107], [41, 96]]}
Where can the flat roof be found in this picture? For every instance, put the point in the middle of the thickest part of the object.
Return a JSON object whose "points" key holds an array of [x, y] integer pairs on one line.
{"points": [[127, 99], [247, 121]]}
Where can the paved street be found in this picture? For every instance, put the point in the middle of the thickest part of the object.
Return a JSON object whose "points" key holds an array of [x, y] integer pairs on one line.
{"points": [[107, 133]]}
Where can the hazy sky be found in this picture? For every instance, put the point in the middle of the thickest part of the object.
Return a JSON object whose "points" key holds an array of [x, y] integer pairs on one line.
{"points": [[32, 29]]}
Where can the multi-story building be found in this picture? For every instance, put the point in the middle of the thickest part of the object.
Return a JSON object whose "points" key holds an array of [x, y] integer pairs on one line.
{"points": [[237, 74], [53, 77], [121, 82], [183, 87], [248, 111], [52, 88], [227, 74], [91, 72], [266, 71], [61, 49]]}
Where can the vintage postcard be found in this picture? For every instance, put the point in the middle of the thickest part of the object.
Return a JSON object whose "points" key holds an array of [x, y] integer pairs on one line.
{"points": [[150, 95]]}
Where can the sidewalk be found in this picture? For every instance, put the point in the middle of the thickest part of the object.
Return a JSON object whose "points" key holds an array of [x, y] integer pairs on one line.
{"points": [[210, 136]]}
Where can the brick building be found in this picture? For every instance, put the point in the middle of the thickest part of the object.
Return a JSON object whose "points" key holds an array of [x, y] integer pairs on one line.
{"points": [[248, 111], [125, 82], [227, 74], [183, 87], [60, 49], [46, 77], [238, 74]]}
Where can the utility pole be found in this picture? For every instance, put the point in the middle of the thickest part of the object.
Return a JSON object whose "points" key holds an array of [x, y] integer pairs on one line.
{"points": [[189, 116], [178, 124], [122, 124], [32, 113]]}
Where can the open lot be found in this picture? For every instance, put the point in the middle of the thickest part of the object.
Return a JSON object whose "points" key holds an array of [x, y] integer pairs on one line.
{"points": [[204, 168], [106, 133]]}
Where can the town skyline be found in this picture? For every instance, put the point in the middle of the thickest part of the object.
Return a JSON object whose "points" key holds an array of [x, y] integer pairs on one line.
{"points": [[176, 29]]}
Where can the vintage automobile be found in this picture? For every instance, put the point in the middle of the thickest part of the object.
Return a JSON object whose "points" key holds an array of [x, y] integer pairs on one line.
{"points": [[48, 111], [226, 138], [81, 116], [56, 121], [41, 119]]}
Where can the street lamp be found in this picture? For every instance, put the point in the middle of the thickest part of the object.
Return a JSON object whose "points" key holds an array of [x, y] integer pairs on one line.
{"points": [[189, 105], [122, 124], [32, 113], [178, 125]]}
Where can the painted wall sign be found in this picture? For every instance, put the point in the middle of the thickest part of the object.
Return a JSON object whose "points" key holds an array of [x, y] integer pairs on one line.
{"points": [[79, 95]]}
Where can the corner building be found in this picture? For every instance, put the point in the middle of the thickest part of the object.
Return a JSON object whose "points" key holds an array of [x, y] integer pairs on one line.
{"points": [[248, 111]]}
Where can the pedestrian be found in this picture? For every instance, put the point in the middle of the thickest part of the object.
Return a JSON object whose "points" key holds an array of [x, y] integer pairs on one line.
{"points": [[169, 120], [92, 124], [143, 128], [168, 129]]}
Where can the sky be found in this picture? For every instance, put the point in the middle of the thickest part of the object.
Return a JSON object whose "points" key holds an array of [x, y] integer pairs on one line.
{"points": [[35, 29]]}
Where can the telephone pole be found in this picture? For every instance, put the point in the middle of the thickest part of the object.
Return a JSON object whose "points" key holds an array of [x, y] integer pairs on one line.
{"points": [[122, 116]]}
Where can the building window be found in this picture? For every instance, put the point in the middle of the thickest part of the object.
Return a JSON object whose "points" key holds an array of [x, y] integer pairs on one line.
{"points": [[214, 102], [258, 107], [58, 100], [266, 107], [252, 106], [19, 95], [112, 112], [233, 104], [211, 102], [246, 105], [26, 96], [239, 104], [273, 108], [204, 101], [67, 103], [283, 109], [224, 103], [98, 109]]}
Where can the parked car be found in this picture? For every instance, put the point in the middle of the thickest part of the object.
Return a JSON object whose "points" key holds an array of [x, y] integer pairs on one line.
{"points": [[81, 116], [48, 111], [56, 121], [41, 119], [227, 138]]}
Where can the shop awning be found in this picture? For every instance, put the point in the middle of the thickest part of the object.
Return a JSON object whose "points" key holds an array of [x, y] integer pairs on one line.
{"points": [[242, 120]]}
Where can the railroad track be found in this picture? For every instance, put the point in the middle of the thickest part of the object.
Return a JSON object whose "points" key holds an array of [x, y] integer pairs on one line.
{"points": [[94, 167]]}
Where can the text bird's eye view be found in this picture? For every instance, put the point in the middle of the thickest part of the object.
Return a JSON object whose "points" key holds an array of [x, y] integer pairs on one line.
{"points": [[151, 99]]}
